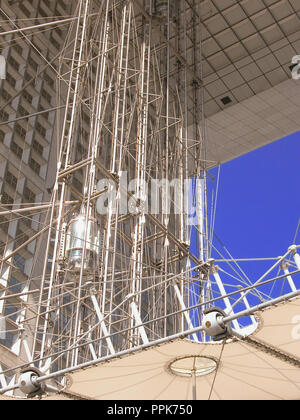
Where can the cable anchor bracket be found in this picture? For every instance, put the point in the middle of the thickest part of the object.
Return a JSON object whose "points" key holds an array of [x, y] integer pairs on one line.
{"points": [[214, 326]]}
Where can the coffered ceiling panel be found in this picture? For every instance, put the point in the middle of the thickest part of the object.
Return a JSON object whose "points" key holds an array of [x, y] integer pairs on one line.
{"points": [[248, 47]]}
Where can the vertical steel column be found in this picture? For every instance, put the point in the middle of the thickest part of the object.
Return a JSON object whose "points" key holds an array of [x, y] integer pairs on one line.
{"points": [[142, 134]]}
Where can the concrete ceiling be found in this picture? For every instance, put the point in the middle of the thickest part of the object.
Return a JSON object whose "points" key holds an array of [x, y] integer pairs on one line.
{"points": [[248, 47], [255, 122]]}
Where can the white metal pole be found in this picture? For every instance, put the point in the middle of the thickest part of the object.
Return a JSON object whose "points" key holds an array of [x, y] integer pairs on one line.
{"points": [[141, 329], [229, 308], [285, 269], [186, 313], [102, 323], [293, 249]]}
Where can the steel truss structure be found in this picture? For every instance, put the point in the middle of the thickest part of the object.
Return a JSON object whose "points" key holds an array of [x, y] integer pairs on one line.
{"points": [[118, 274]]}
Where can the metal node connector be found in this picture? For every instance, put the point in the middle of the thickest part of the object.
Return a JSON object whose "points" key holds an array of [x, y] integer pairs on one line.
{"points": [[28, 383], [214, 326]]}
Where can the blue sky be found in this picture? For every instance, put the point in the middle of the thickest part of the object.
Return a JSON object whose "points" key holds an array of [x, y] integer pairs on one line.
{"points": [[259, 201], [258, 209]]}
